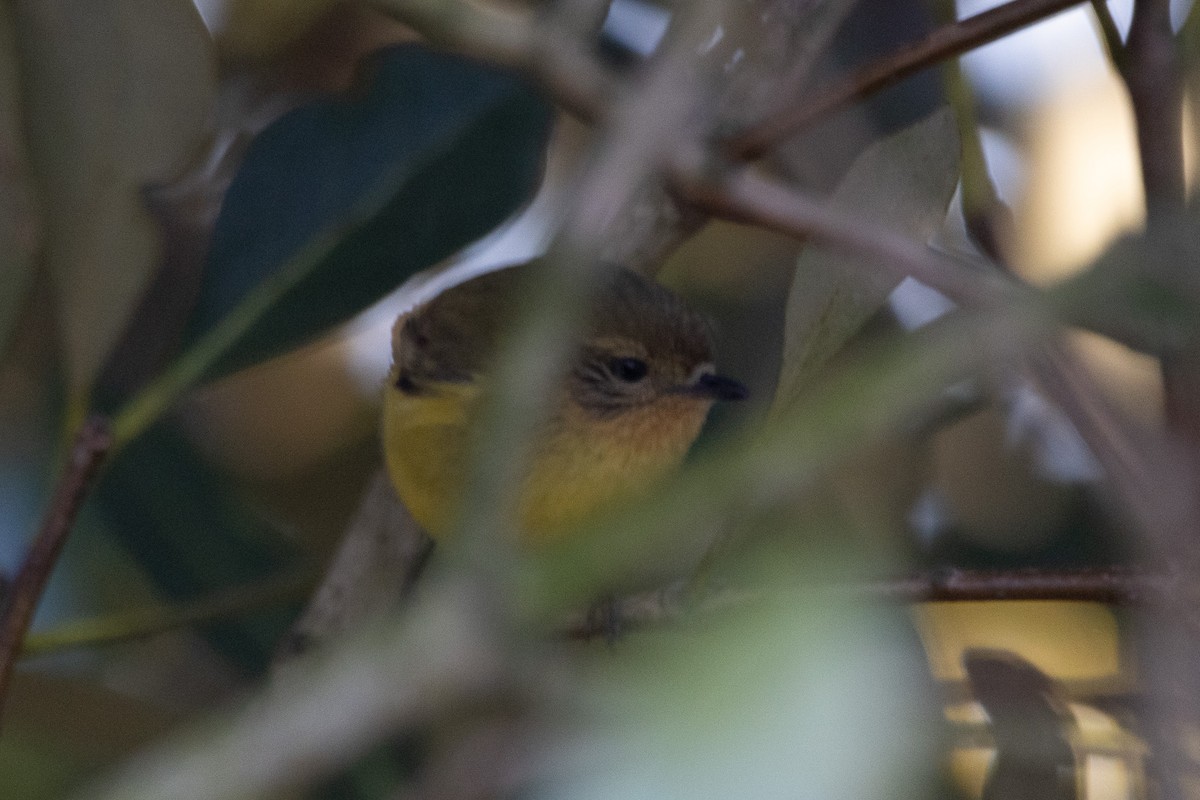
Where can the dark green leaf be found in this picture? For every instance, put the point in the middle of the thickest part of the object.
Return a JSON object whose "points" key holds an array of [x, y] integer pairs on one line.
{"points": [[338, 202]]}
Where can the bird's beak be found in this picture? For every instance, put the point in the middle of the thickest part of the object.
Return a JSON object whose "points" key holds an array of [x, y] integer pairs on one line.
{"points": [[718, 387]]}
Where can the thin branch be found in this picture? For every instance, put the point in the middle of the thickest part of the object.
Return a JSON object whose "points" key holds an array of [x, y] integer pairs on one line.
{"points": [[1111, 585], [1150, 67], [1109, 31], [1115, 585], [1151, 71], [743, 195], [945, 42], [88, 451]]}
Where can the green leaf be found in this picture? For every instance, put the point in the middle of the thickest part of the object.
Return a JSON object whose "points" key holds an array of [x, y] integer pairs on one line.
{"points": [[116, 95], [340, 201], [18, 218], [903, 182]]}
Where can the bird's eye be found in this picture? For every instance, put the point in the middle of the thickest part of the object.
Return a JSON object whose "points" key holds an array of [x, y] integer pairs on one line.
{"points": [[630, 370]]}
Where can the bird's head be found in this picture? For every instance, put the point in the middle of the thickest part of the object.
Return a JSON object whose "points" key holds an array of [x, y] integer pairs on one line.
{"points": [[644, 347]]}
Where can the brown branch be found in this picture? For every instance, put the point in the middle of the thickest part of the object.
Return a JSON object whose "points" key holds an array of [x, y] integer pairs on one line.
{"points": [[1109, 33], [87, 453], [945, 42], [743, 195], [1170, 639], [1150, 69], [1113, 585]]}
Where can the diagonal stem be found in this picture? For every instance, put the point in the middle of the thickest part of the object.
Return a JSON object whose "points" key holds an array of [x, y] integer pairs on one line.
{"points": [[87, 454], [945, 42]]}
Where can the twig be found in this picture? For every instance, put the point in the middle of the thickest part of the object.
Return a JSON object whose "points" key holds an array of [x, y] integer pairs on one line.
{"points": [[1170, 637], [1112, 585], [1109, 31], [1150, 69], [540, 344], [87, 453], [945, 42], [741, 194]]}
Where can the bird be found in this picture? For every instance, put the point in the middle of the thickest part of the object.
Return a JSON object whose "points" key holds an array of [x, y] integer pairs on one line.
{"points": [[638, 390]]}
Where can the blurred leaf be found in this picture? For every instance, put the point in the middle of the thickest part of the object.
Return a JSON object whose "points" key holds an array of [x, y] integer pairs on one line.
{"points": [[805, 695], [1144, 290], [262, 29], [904, 182], [340, 201], [18, 218], [193, 537], [117, 93], [59, 733]]}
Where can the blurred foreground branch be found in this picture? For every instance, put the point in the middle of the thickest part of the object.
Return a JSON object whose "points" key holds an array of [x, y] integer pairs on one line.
{"points": [[316, 717]]}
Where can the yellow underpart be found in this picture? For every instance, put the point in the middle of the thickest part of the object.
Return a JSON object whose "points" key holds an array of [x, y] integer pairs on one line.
{"points": [[581, 464]]}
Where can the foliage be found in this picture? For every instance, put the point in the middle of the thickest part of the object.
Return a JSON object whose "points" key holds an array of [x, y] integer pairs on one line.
{"points": [[751, 658]]}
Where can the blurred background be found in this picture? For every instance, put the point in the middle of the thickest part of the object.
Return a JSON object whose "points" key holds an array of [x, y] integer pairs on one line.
{"points": [[252, 480]]}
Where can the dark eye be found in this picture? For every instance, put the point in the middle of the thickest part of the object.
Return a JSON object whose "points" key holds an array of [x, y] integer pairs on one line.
{"points": [[630, 370]]}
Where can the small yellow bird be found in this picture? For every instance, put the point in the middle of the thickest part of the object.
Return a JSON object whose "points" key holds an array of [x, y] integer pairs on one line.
{"points": [[629, 409]]}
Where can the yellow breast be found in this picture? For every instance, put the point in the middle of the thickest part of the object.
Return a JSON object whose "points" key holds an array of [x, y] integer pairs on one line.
{"points": [[586, 464], [579, 465], [425, 446]]}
